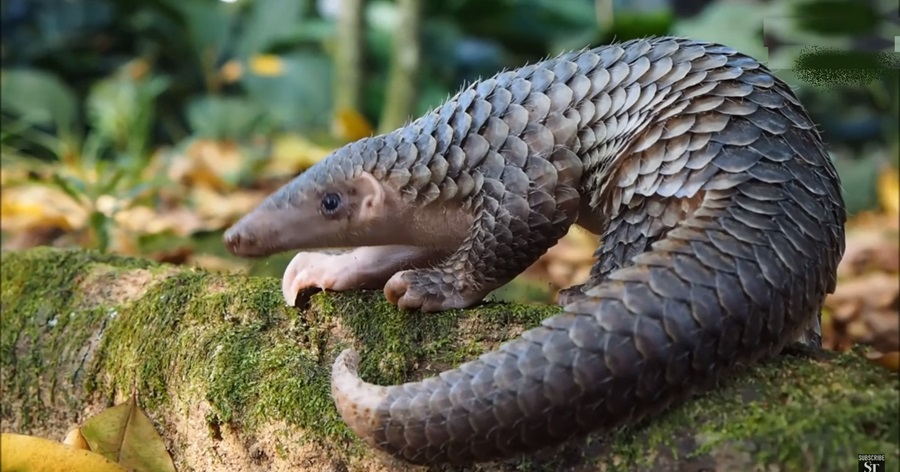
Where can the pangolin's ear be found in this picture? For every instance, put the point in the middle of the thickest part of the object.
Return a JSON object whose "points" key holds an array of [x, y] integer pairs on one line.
{"points": [[371, 197]]}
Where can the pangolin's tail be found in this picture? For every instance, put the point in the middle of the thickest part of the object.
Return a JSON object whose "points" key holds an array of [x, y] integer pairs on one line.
{"points": [[737, 280]]}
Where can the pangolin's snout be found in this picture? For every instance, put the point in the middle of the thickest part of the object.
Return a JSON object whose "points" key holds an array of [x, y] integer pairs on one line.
{"points": [[238, 241], [263, 232], [249, 236]]}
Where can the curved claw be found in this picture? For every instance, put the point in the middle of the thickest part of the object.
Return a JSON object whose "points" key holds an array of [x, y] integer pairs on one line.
{"points": [[427, 291]]}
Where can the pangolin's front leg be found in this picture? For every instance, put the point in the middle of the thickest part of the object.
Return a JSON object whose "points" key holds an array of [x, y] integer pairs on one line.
{"points": [[367, 267], [516, 221]]}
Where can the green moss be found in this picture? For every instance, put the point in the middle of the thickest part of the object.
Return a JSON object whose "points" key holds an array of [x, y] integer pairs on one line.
{"points": [[229, 340], [800, 413], [396, 345], [44, 325]]}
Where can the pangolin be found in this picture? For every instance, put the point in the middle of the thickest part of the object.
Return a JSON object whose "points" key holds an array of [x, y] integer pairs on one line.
{"points": [[719, 211]]}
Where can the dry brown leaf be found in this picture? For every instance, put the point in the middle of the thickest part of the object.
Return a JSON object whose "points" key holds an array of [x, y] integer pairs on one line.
{"points": [[883, 330], [208, 163], [125, 435], [871, 249], [889, 360], [874, 290], [215, 210], [145, 220], [864, 310], [33, 205]]}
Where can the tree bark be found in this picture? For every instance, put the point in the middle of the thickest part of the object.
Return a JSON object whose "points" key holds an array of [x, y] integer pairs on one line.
{"points": [[235, 380]]}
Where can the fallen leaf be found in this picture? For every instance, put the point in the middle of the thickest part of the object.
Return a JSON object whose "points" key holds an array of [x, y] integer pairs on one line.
{"points": [[33, 205], [870, 249], [292, 153], [125, 435], [145, 220], [883, 330], [888, 360], [208, 163], [875, 290], [215, 210], [28, 453]]}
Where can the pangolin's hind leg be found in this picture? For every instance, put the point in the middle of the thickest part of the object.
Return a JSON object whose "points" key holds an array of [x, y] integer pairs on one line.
{"points": [[516, 220], [633, 229], [809, 341], [356, 268]]}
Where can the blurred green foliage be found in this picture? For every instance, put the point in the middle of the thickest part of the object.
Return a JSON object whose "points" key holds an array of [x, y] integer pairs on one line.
{"points": [[102, 84]]}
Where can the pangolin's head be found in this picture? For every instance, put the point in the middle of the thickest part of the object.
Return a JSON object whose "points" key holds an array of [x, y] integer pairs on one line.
{"points": [[332, 204]]}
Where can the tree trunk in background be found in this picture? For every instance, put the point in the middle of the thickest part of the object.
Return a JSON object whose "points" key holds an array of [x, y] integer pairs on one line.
{"points": [[604, 11], [349, 55], [402, 82]]}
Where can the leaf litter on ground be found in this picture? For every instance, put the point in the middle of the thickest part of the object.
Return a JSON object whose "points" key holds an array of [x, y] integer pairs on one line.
{"points": [[125, 435]]}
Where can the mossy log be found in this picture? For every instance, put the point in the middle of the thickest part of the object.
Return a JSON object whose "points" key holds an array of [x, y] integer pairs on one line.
{"points": [[234, 380]]}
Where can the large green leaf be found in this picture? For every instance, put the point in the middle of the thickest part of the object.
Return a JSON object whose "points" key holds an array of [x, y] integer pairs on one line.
{"points": [[121, 109], [209, 25], [300, 97], [269, 21], [38, 97], [225, 117]]}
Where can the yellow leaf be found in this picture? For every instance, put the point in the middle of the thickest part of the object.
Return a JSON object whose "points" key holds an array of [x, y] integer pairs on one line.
{"points": [[291, 153], [29, 206], [268, 65], [351, 125], [124, 434], [889, 190], [145, 220], [28, 453]]}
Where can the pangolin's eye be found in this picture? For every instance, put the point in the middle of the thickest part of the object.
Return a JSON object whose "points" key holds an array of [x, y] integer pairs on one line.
{"points": [[330, 203]]}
